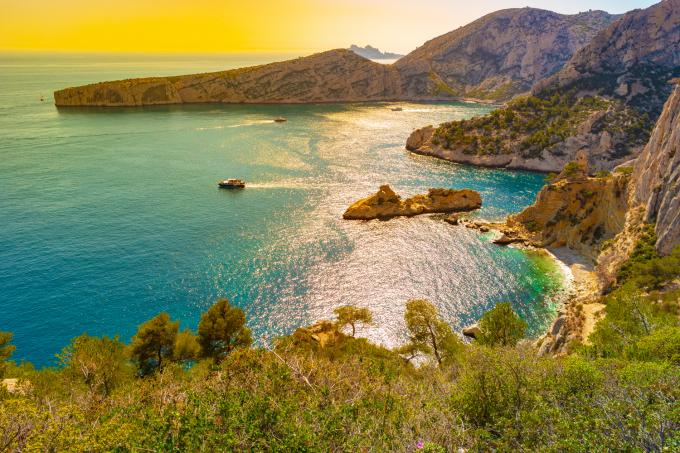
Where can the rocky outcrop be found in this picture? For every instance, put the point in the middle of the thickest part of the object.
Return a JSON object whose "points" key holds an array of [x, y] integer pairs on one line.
{"points": [[472, 331], [386, 204], [492, 58], [333, 76], [578, 212], [657, 176], [322, 333], [499, 55]]}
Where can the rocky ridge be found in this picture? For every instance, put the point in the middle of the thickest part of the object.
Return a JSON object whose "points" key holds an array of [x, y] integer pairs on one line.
{"points": [[499, 55], [386, 204], [631, 60]]}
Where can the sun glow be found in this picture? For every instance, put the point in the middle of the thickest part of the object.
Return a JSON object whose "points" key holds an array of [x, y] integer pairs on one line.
{"points": [[238, 26]]}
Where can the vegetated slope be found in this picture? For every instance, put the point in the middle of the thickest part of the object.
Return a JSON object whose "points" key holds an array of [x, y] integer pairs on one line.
{"points": [[499, 55], [603, 102]]}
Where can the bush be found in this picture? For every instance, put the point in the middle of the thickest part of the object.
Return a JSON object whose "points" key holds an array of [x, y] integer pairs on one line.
{"points": [[501, 326]]}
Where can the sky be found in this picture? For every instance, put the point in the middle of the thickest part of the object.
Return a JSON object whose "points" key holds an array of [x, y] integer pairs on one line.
{"points": [[296, 26]]}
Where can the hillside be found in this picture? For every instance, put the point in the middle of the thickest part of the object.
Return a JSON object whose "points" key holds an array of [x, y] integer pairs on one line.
{"points": [[630, 61], [499, 55], [334, 76], [493, 58], [602, 103]]}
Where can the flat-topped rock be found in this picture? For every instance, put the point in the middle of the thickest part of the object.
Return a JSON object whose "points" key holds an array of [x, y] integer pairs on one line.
{"points": [[386, 204]]}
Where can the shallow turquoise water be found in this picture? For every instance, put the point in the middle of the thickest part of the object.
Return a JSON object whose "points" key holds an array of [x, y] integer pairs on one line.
{"points": [[110, 216]]}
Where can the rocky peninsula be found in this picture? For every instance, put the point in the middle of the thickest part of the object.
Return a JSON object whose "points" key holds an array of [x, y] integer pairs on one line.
{"points": [[493, 58], [386, 204]]}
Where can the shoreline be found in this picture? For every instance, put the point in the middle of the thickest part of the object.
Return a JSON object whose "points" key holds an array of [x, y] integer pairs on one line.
{"points": [[578, 308]]}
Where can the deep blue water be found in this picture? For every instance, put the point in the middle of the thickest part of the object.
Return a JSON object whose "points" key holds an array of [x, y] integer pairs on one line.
{"points": [[110, 216]]}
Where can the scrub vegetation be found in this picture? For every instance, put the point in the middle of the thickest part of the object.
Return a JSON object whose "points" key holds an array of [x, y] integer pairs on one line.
{"points": [[320, 389], [531, 124]]}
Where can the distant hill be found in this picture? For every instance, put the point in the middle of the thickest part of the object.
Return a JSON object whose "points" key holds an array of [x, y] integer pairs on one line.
{"points": [[373, 53], [333, 76], [499, 55]]}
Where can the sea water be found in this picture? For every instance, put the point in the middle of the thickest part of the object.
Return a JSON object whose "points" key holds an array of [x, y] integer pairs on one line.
{"points": [[110, 216]]}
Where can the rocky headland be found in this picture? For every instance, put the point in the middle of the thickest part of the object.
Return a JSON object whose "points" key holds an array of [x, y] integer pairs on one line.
{"points": [[386, 204], [493, 58]]}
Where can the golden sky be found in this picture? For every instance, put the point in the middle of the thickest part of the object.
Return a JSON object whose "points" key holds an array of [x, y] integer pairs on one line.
{"points": [[232, 26]]}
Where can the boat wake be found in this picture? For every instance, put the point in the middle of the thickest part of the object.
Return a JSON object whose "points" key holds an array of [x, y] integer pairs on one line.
{"points": [[232, 126]]}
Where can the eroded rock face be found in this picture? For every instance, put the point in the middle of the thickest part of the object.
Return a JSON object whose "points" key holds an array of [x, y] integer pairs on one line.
{"points": [[386, 204], [499, 55], [657, 176], [578, 212]]}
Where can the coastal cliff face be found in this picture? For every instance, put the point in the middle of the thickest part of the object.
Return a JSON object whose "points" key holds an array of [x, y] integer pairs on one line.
{"points": [[603, 102], [499, 55], [657, 176], [386, 204], [652, 196], [333, 76], [578, 212]]}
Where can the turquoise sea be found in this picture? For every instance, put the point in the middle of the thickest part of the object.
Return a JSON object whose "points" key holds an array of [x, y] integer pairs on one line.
{"points": [[109, 216]]}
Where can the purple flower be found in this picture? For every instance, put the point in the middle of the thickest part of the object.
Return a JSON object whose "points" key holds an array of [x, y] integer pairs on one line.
{"points": [[420, 445]]}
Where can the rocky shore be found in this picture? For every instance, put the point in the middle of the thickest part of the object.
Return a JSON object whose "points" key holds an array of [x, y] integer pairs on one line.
{"points": [[386, 204]]}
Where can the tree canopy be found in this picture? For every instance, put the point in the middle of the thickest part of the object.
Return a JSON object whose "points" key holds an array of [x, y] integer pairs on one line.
{"points": [[351, 315], [154, 343], [501, 326], [223, 329]]}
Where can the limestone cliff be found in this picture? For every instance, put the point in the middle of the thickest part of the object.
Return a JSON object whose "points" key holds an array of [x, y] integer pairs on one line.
{"points": [[499, 55], [578, 212], [333, 76], [386, 204], [657, 176]]}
